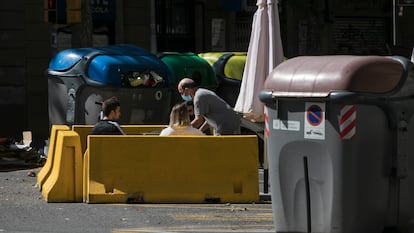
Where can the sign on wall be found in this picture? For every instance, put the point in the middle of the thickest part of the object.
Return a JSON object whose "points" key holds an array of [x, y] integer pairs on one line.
{"points": [[103, 10], [69, 11], [218, 40]]}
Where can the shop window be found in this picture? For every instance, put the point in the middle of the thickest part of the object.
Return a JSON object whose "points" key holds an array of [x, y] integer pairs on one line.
{"points": [[175, 25]]}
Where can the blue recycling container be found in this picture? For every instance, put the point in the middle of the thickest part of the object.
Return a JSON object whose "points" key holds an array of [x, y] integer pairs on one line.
{"points": [[107, 65], [79, 78]]}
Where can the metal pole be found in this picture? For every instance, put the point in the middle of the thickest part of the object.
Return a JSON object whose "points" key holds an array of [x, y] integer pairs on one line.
{"points": [[86, 24], [153, 31], [394, 23], [265, 168]]}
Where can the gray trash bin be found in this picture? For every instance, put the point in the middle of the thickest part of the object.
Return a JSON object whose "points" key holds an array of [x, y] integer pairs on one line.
{"points": [[338, 134]]}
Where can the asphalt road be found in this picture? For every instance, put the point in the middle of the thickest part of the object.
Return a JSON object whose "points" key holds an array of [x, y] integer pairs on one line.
{"points": [[23, 209]]}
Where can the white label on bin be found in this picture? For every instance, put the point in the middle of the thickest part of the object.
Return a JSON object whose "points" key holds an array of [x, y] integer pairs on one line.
{"points": [[314, 121], [286, 125]]}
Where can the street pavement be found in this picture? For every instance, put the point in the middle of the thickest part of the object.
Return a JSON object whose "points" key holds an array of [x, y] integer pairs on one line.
{"points": [[23, 209]]}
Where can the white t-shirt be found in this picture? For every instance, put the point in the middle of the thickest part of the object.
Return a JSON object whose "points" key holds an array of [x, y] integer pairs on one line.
{"points": [[180, 130]]}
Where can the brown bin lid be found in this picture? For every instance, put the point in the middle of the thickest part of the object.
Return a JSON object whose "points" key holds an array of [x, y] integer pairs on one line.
{"points": [[317, 76]]}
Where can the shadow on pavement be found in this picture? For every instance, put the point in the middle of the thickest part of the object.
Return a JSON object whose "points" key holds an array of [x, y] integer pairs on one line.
{"points": [[15, 165]]}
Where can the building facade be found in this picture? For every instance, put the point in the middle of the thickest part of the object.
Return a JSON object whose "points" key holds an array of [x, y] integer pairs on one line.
{"points": [[308, 27]]}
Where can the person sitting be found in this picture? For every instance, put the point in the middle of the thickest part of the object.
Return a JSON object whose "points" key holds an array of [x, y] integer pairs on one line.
{"points": [[111, 109], [180, 123]]}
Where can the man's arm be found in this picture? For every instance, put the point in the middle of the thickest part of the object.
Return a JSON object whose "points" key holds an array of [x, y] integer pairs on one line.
{"points": [[205, 126], [198, 121]]}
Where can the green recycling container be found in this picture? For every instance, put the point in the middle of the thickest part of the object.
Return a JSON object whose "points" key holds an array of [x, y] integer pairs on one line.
{"points": [[189, 65]]}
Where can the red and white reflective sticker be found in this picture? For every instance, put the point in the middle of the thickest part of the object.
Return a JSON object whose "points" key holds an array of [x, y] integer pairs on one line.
{"points": [[347, 119], [266, 117]]}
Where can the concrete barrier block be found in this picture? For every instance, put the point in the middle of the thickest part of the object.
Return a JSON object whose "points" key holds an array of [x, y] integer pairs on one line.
{"points": [[171, 169], [85, 130], [64, 183], [47, 167]]}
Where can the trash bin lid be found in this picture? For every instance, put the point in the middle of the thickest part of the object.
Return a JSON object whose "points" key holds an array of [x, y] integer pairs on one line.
{"points": [[234, 67], [233, 63], [211, 57], [109, 68], [66, 59], [188, 65], [108, 64], [318, 76]]}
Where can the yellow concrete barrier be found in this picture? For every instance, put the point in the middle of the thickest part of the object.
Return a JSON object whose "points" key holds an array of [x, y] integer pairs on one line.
{"points": [[85, 130], [64, 183], [47, 167], [171, 169]]}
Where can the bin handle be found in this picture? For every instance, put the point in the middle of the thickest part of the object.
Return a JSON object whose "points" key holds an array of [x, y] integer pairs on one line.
{"points": [[266, 97], [270, 97]]}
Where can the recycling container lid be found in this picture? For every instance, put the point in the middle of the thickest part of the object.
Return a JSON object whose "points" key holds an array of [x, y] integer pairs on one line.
{"points": [[211, 57], [188, 65], [226, 65], [114, 68], [234, 67], [319, 76], [117, 65], [66, 59]]}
